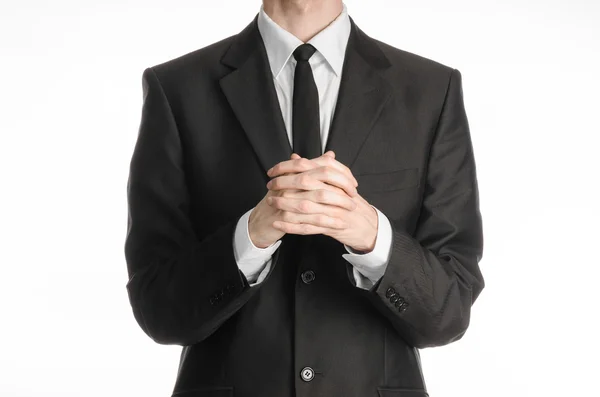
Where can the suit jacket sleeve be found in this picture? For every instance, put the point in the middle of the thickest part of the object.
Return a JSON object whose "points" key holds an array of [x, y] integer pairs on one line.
{"points": [[433, 277], [181, 288]]}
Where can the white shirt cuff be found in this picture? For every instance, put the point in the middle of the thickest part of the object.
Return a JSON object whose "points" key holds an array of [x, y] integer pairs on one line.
{"points": [[370, 267], [254, 262]]}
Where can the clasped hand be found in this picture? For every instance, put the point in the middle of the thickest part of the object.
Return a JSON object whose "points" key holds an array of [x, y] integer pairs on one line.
{"points": [[314, 196]]}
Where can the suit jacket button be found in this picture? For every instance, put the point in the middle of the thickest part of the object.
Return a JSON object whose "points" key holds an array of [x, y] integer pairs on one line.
{"points": [[308, 276], [400, 301], [307, 374], [390, 291], [402, 307], [394, 298]]}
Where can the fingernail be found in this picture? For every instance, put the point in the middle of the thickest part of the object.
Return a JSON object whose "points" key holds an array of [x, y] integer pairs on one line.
{"points": [[269, 171], [269, 184]]}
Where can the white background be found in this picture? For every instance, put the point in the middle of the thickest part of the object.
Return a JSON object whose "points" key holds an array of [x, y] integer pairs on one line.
{"points": [[70, 105]]}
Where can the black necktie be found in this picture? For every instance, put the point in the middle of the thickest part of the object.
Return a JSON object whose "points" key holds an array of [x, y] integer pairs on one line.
{"points": [[306, 123]]}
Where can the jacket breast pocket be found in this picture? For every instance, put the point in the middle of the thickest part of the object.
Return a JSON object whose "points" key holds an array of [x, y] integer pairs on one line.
{"points": [[388, 181]]}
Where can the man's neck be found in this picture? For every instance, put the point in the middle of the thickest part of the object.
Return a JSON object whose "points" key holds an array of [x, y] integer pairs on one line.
{"points": [[303, 18]]}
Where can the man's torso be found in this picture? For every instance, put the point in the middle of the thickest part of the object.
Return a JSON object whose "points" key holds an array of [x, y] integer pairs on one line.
{"points": [[224, 103]]}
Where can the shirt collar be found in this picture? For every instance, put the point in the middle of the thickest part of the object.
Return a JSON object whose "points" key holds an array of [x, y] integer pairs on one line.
{"points": [[280, 44]]}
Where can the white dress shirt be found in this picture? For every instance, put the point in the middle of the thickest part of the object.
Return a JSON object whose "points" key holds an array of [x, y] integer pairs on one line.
{"points": [[326, 64]]}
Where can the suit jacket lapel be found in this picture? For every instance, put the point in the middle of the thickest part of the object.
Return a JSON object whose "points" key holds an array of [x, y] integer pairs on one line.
{"points": [[251, 93], [363, 93]]}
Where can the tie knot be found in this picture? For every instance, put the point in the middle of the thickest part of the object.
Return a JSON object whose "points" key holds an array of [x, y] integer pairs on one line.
{"points": [[304, 52]]}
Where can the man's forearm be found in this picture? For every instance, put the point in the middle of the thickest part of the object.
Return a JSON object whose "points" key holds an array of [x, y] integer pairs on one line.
{"points": [[370, 267], [253, 261], [181, 289], [433, 277]]}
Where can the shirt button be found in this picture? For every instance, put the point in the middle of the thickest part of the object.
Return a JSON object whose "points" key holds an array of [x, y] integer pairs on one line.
{"points": [[307, 374], [308, 276]]}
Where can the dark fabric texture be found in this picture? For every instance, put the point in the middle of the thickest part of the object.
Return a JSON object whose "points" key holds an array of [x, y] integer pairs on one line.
{"points": [[210, 129]]}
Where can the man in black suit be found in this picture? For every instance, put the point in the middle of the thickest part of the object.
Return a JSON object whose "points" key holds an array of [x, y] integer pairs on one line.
{"points": [[303, 210]]}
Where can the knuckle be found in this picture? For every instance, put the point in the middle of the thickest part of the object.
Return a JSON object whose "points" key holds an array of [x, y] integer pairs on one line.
{"points": [[322, 195], [305, 180], [304, 163], [350, 204], [305, 205]]}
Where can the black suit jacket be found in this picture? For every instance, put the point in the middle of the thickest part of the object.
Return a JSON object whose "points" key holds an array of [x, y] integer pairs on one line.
{"points": [[210, 129]]}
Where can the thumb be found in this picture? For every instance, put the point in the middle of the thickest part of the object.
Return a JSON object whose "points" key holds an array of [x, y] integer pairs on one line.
{"points": [[294, 156], [329, 153]]}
